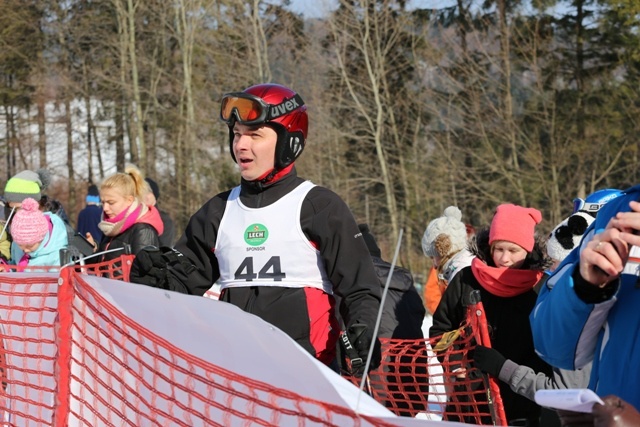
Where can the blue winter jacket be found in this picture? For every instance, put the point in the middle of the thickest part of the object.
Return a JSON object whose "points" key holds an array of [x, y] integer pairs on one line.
{"points": [[568, 333], [48, 253]]}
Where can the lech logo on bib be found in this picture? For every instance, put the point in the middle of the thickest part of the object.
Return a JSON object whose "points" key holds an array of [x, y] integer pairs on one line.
{"points": [[256, 234]]}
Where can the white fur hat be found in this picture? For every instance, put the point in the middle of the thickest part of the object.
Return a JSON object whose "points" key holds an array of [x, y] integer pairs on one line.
{"points": [[453, 234], [567, 235]]}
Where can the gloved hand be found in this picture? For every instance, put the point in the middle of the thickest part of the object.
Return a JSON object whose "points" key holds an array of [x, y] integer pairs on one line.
{"points": [[360, 337], [150, 268], [615, 413], [488, 360]]}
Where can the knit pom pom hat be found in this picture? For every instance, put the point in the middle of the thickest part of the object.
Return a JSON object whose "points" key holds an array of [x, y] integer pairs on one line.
{"points": [[567, 235], [93, 195], [515, 224], [29, 224], [445, 235], [26, 184]]}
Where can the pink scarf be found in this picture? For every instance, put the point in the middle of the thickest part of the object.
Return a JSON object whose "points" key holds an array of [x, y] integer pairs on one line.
{"points": [[123, 221], [504, 281]]}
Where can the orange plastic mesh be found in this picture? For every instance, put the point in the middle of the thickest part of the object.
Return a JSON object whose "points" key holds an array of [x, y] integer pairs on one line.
{"points": [[435, 379], [69, 357], [117, 269]]}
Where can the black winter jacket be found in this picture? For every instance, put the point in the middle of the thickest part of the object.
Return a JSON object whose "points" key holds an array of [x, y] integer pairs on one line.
{"points": [[403, 311], [137, 236], [507, 317], [325, 220]]}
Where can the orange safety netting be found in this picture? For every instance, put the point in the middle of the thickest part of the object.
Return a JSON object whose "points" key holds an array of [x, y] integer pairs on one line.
{"points": [[435, 378], [69, 357]]}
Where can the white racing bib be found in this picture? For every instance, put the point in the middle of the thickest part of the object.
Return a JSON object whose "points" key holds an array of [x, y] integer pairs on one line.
{"points": [[266, 246]]}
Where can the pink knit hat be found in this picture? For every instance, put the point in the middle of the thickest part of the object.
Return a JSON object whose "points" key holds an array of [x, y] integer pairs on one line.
{"points": [[515, 224], [29, 225]]}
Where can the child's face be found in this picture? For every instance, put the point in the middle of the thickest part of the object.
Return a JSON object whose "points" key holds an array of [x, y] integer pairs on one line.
{"points": [[508, 254], [113, 202], [27, 249]]}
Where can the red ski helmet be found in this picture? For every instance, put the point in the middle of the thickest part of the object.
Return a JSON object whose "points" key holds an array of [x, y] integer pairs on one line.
{"points": [[274, 105]]}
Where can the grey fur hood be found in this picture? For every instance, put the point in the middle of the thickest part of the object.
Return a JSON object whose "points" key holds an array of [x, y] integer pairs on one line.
{"points": [[537, 259]]}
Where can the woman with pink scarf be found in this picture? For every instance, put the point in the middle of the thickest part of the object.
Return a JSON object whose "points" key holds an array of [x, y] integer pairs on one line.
{"points": [[510, 260], [126, 220]]}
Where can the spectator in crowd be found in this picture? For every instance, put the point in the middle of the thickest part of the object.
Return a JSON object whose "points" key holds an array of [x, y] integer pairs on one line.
{"points": [[39, 236], [509, 261], [33, 184], [126, 220], [522, 379], [588, 312], [445, 242], [23, 185], [562, 240], [151, 198], [91, 215], [281, 247]]}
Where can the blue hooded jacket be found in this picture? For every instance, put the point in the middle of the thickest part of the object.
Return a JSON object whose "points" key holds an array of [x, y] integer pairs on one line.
{"points": [[569, 332]]}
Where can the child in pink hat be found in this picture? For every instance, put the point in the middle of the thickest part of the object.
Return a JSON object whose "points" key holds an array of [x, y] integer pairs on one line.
{"points": [[37, 237], [509, 261]]}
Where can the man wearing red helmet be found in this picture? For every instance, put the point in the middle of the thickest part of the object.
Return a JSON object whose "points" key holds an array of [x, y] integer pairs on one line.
{"points": [[278, 245]]}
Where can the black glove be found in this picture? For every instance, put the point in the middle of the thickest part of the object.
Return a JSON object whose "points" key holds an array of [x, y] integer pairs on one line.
{"points": [[615, 413], [149, 268], [360, 338], [488, 360]]}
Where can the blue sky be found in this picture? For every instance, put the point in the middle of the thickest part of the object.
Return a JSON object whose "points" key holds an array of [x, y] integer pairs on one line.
{"points": [[315, 8]]}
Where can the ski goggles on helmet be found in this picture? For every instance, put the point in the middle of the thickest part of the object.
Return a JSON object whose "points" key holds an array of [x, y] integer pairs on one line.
{"points": [[248, 109], [582, 205]]}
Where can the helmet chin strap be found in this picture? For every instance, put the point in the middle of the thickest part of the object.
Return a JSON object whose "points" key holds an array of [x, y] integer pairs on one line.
{"points": [[274, 175], [269, 177]]}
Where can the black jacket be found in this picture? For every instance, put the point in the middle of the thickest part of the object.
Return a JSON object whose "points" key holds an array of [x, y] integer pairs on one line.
{"points": [[137, 236], [168, 235], [325, 220], [403, 311], [507, 318]]}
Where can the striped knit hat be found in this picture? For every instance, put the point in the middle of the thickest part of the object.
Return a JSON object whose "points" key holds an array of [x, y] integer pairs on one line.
{"points": [[26, 184]]}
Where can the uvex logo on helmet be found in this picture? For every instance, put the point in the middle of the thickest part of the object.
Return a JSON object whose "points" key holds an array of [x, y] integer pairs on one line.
{"points": [[284, 108]]}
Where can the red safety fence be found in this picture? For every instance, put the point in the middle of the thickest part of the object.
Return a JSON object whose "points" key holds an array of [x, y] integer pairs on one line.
{"points": [[70, 357], [435, 378]]}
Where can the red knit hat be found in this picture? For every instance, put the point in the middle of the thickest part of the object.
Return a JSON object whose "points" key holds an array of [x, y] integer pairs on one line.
{"points": [[515, 224], [29, 225]]}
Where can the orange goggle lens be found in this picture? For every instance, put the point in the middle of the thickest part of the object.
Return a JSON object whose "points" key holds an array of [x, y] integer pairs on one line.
{"points": [[247, 110]]}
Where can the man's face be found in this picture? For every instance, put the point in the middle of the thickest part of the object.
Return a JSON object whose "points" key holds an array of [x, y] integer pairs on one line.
{"points": [[254, 148]]}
